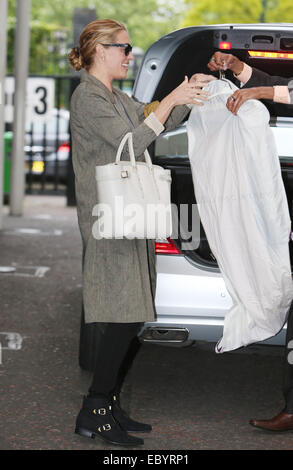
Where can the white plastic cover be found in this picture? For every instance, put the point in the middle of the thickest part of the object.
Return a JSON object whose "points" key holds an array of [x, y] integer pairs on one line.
{"points": [[244, 212]]}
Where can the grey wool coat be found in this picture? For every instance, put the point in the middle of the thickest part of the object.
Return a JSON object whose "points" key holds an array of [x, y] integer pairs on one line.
{"points": [[118, 275]]}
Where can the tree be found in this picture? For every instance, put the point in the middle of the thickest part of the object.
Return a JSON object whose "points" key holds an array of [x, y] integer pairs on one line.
{"points": [[255, 11], [146, 23], [145, 20], [45, 48]]}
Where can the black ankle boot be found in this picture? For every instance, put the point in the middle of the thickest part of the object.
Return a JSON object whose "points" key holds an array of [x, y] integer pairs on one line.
{"points": [[125, 422], [95, 419]]}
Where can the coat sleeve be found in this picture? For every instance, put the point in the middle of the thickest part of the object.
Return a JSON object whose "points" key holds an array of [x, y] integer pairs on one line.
{"points": [[100, 121], [175, 118], [260, 78]]}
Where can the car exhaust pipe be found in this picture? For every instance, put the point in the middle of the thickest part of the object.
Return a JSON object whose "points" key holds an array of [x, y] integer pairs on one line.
{"points": [[164, 335]]}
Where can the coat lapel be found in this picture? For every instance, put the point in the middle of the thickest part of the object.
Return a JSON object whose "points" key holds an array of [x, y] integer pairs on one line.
{"points": [[113, 97]]}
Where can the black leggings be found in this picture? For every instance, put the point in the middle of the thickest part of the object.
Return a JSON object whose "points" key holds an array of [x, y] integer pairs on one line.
{"points": [[116, 351]]}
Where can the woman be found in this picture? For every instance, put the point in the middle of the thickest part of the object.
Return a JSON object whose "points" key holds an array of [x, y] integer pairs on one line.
{"points": [[260, 85], [116, 279]]}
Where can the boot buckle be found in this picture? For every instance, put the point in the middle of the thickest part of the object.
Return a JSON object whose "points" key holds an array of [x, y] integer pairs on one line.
{"points": [[105, 427], [100, 411]]}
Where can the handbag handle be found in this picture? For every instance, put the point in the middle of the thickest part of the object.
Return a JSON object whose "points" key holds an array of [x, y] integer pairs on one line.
{"points": [[129, 139]]}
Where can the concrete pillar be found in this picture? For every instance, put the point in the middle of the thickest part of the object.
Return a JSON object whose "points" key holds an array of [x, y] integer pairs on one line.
{"points": [[21, 63], [3, 54]]}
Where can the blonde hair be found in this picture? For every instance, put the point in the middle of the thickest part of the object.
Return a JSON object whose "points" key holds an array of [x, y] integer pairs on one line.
{"points": [[96, 32]]}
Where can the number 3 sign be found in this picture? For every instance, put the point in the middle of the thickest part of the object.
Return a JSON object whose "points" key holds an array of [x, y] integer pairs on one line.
{"points": [[39, 100]]}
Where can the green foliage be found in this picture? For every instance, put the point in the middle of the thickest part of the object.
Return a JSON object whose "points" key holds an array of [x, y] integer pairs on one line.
{"points": [[280, 13], [146, 21], [42, 39], [203, 12]]}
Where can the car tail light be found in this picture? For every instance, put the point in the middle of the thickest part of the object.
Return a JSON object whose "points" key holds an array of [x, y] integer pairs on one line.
{"points": [[224, 45], [271, 55], [65, 147], [166, 247]]}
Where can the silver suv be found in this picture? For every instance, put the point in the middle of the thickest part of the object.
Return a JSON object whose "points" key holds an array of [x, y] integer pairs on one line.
{"points": [[191, 297]]}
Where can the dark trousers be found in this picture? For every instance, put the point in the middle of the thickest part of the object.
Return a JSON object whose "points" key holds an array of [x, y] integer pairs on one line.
{"points": [[288, 367], [116, 351]]}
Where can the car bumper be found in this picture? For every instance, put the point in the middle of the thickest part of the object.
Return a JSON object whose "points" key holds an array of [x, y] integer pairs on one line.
{"points": [[191, 302]]}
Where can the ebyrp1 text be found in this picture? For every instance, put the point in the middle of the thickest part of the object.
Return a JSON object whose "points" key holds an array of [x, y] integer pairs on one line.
{"points": [[150, 459]]}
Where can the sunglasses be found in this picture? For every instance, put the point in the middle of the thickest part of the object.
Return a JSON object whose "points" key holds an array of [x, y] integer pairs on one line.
{"points": [[127, 47]]}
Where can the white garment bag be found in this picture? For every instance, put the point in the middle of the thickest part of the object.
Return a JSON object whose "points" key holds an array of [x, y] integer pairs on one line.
{"points": [[244, 212]]}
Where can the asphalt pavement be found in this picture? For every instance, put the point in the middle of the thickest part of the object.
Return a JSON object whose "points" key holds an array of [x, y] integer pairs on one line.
{"points": [[194, 398]]}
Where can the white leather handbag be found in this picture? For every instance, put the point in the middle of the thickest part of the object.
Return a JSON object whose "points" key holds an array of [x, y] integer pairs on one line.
{"points": [[133, 198]]}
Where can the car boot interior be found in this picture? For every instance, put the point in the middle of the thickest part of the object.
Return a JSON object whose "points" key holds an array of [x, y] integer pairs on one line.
{"points": [[192, 55]]}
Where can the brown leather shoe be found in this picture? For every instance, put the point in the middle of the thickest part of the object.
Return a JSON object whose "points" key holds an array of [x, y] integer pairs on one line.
{"points": [[281, 422]]}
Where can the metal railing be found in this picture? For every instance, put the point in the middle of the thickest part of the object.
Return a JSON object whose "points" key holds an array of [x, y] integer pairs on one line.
{"points": [[47, 147]]}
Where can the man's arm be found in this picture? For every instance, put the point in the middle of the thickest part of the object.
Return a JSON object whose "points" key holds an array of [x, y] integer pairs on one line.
{"points": [[252, 77], [260, 78], [256, 84]]}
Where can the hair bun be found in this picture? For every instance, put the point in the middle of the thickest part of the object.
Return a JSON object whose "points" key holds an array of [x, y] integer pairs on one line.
{"points": [[75, 58]]}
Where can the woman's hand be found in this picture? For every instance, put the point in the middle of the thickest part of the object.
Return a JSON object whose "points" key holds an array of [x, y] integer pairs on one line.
{"points": [[224, 61], [189, 92], [240, 96], [201, 79], [185, 93]]}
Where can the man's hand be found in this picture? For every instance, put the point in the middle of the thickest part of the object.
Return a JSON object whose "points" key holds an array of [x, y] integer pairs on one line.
{"points": [[240, 96], [223, 61]]}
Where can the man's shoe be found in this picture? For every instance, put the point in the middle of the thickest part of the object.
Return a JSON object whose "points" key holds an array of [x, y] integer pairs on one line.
{"points": [[95, 419], [127, 423], [281, 422]]}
